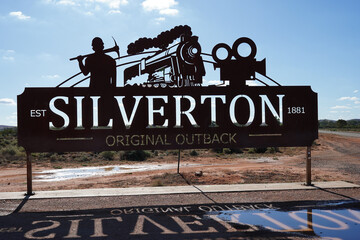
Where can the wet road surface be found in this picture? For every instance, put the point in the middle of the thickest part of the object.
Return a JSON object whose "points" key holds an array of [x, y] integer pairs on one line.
{"points": [[278, 220]]}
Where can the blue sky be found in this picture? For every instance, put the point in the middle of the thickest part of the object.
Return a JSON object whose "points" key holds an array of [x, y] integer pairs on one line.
{"points": [[304, 42]]}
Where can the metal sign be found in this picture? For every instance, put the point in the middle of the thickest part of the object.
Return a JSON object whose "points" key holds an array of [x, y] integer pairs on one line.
{"points": [[171, 109]]}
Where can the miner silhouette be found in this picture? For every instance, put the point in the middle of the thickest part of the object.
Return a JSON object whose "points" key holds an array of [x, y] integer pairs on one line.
{"points": [[102, 68]]}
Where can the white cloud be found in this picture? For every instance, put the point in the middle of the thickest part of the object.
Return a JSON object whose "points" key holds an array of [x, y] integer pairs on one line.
{"points": [[114, 12], [8, 58], [19, 15], [66, 2], [150, 5], [212, 82], [114, 4], [7, 55], [7, 101], [88, 6], [349, 98], [340, 107], [165, 7], [252, 83], [55, 76], [89, 13], [356, 91], [138, 79], [160, 19], [12, 119], [169, 11]]}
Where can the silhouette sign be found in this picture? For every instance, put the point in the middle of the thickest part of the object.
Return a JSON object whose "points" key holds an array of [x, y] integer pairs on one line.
{"points": [[171, 108]]}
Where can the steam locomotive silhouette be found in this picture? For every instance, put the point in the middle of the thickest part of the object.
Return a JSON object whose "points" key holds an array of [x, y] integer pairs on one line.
{"points": [[180, 65]]}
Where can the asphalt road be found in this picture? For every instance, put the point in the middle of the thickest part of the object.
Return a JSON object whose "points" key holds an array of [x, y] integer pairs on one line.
{"points": [[294, 220], [344, 134], [246, 215]]}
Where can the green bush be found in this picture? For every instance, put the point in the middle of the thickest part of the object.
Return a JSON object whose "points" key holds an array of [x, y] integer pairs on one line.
{"points": [[217, 150], [9, 151], [257, 150], [232, 150], [135, 155], [194, 153], [273, 150], [108, 155]]}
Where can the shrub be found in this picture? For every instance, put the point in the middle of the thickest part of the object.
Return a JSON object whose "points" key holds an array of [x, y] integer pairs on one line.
{"points": [[9, 151], [273, 150], [135, 155], [257, 150], [236, 150], [194, 153], [84, 158], [108, 155], [232, 150], [217, 150], [53, 157]]}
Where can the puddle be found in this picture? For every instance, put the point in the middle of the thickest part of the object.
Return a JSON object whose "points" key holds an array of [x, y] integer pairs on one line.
{"points": [[71, 173], [326, 221], [263, 160]]}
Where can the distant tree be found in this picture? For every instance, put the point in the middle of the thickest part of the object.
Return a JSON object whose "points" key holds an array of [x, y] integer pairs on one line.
{"points": [[341, 123]]}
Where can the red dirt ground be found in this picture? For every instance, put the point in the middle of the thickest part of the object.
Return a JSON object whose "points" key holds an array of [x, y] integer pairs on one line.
{"points": [[333, 158]]}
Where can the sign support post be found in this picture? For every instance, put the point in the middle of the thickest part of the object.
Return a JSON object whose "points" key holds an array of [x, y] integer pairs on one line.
{"points": [[178, 168], [29, 174], [308, 166]]}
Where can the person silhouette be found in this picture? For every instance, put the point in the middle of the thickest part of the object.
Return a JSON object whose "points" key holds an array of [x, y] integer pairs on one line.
{"points": [[102, 68]]}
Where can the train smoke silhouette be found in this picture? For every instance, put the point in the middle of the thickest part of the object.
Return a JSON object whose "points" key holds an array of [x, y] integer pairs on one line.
{"points": [[162, 41]]}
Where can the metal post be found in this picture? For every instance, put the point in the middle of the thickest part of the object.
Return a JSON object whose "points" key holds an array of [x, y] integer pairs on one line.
{"points": [[178, 169], [308, 166], [29, 174]]}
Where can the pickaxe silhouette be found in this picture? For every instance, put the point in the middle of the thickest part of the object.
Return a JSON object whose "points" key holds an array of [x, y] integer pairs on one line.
{"points": [[113, 49]]}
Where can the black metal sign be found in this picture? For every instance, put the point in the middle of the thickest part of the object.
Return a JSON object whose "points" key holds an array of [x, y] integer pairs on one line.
{"points": [[171, 109]]}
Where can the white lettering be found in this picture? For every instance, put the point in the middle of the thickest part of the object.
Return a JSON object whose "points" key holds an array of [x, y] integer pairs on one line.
{"points": [[124, 116], [96, 110], [265, 101], [79, 125], [213, 106], [152, 111], [178, 111], [63, 115], [251, 113]]}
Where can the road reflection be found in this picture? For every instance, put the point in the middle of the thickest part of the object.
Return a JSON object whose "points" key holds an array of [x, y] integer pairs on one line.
{"points": [[325, 221], [286, 220]]}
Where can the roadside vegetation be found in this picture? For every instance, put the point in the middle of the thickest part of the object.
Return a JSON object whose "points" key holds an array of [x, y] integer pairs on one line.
{"points": [[340, 125], [9, 151], [12, 154]]}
